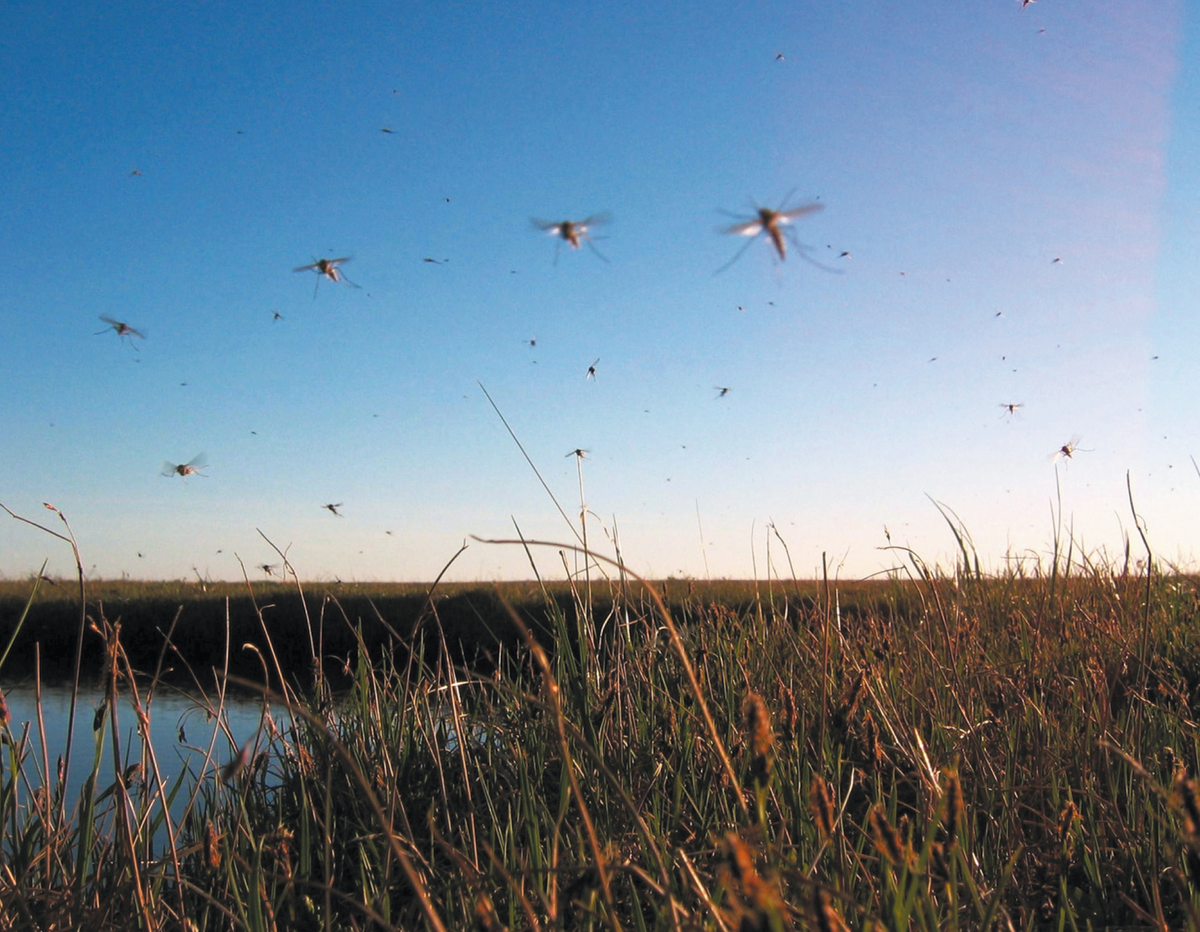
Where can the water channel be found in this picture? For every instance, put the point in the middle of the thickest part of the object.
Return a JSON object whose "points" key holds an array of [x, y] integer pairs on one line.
{"points": [[183, 732]]}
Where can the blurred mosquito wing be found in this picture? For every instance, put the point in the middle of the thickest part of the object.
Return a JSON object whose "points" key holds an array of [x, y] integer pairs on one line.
{"points": [[321, 265], [748, 228], [579, 226], [789, 215], [595, 220]]}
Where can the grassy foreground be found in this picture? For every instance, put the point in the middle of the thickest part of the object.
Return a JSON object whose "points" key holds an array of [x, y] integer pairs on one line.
{"points": [[940, 751]]}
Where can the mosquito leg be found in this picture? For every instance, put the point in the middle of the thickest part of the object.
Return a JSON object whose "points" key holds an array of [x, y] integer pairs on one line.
{"points": [[804, 252], [738, 255], [592, 247]]}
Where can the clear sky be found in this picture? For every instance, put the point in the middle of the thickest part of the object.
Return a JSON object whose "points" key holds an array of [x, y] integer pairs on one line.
{"points": [[167, 165]]}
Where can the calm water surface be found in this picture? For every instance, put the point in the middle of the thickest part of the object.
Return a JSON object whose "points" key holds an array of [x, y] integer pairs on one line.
{"points": [[181, 732]]}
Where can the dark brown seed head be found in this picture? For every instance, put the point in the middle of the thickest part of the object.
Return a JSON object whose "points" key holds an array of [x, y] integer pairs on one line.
{"points": [[850, 700], [1170, 761], [760, 737], [1184, 795], [887, 839], [486, 919], [1066, 822], [952, 806], [939, 867], [821, 805], [828, 919], [740, 857], [791, 716], [874, 748], [755, 901]]}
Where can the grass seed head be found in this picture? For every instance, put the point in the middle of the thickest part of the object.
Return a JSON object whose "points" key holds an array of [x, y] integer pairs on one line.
{"points": [[886, 838], [939, 868], [756, 904], [850, 700], [1066, 822], [874, 747], [1183, 795], [1170, 761], [759, 737], [791, 716], [828, 918], [820, 803], [486, 919], [951, 806]]}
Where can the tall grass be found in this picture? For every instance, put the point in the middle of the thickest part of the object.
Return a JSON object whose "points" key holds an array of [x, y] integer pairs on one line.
{"points": [[942, 750]]}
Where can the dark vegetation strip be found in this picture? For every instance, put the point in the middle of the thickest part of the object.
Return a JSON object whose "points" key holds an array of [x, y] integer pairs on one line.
{"points": [[475, 621]]}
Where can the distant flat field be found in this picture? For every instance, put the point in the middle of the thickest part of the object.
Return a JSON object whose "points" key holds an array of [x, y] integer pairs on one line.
{"points": [[184, 627]]}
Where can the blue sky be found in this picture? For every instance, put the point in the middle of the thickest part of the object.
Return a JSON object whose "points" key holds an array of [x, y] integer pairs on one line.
{"points": [[958, 149]]}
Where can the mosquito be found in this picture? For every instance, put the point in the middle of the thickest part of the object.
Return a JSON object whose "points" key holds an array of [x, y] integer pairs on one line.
{"points": [[574, 232], [191, 468], [1067, 451], [722, 390], [776, 226], [579, 453], [122, 329], [327, 268], [1011, 408], [268, 568], [333, 508], [591, 370], [231, 770]]}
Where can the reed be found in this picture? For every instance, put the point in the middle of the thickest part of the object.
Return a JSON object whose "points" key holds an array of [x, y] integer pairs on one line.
{"points": [[939, 750]]}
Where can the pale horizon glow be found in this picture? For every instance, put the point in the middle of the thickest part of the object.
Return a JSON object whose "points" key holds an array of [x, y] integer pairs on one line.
{"points": [[1015, 191]]}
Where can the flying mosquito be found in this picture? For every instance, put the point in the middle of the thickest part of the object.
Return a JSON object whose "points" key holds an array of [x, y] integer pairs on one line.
{"points": [[573, 232], [327, 268], [333, 508], [776, 226], [268, 568], [1011, 408], [191, 468], [1067, 451], [591, 370], [122, 329], [722, 390]]}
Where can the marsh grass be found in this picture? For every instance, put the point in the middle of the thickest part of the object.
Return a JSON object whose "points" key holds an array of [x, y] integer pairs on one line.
{"points": [[939, 750]]}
